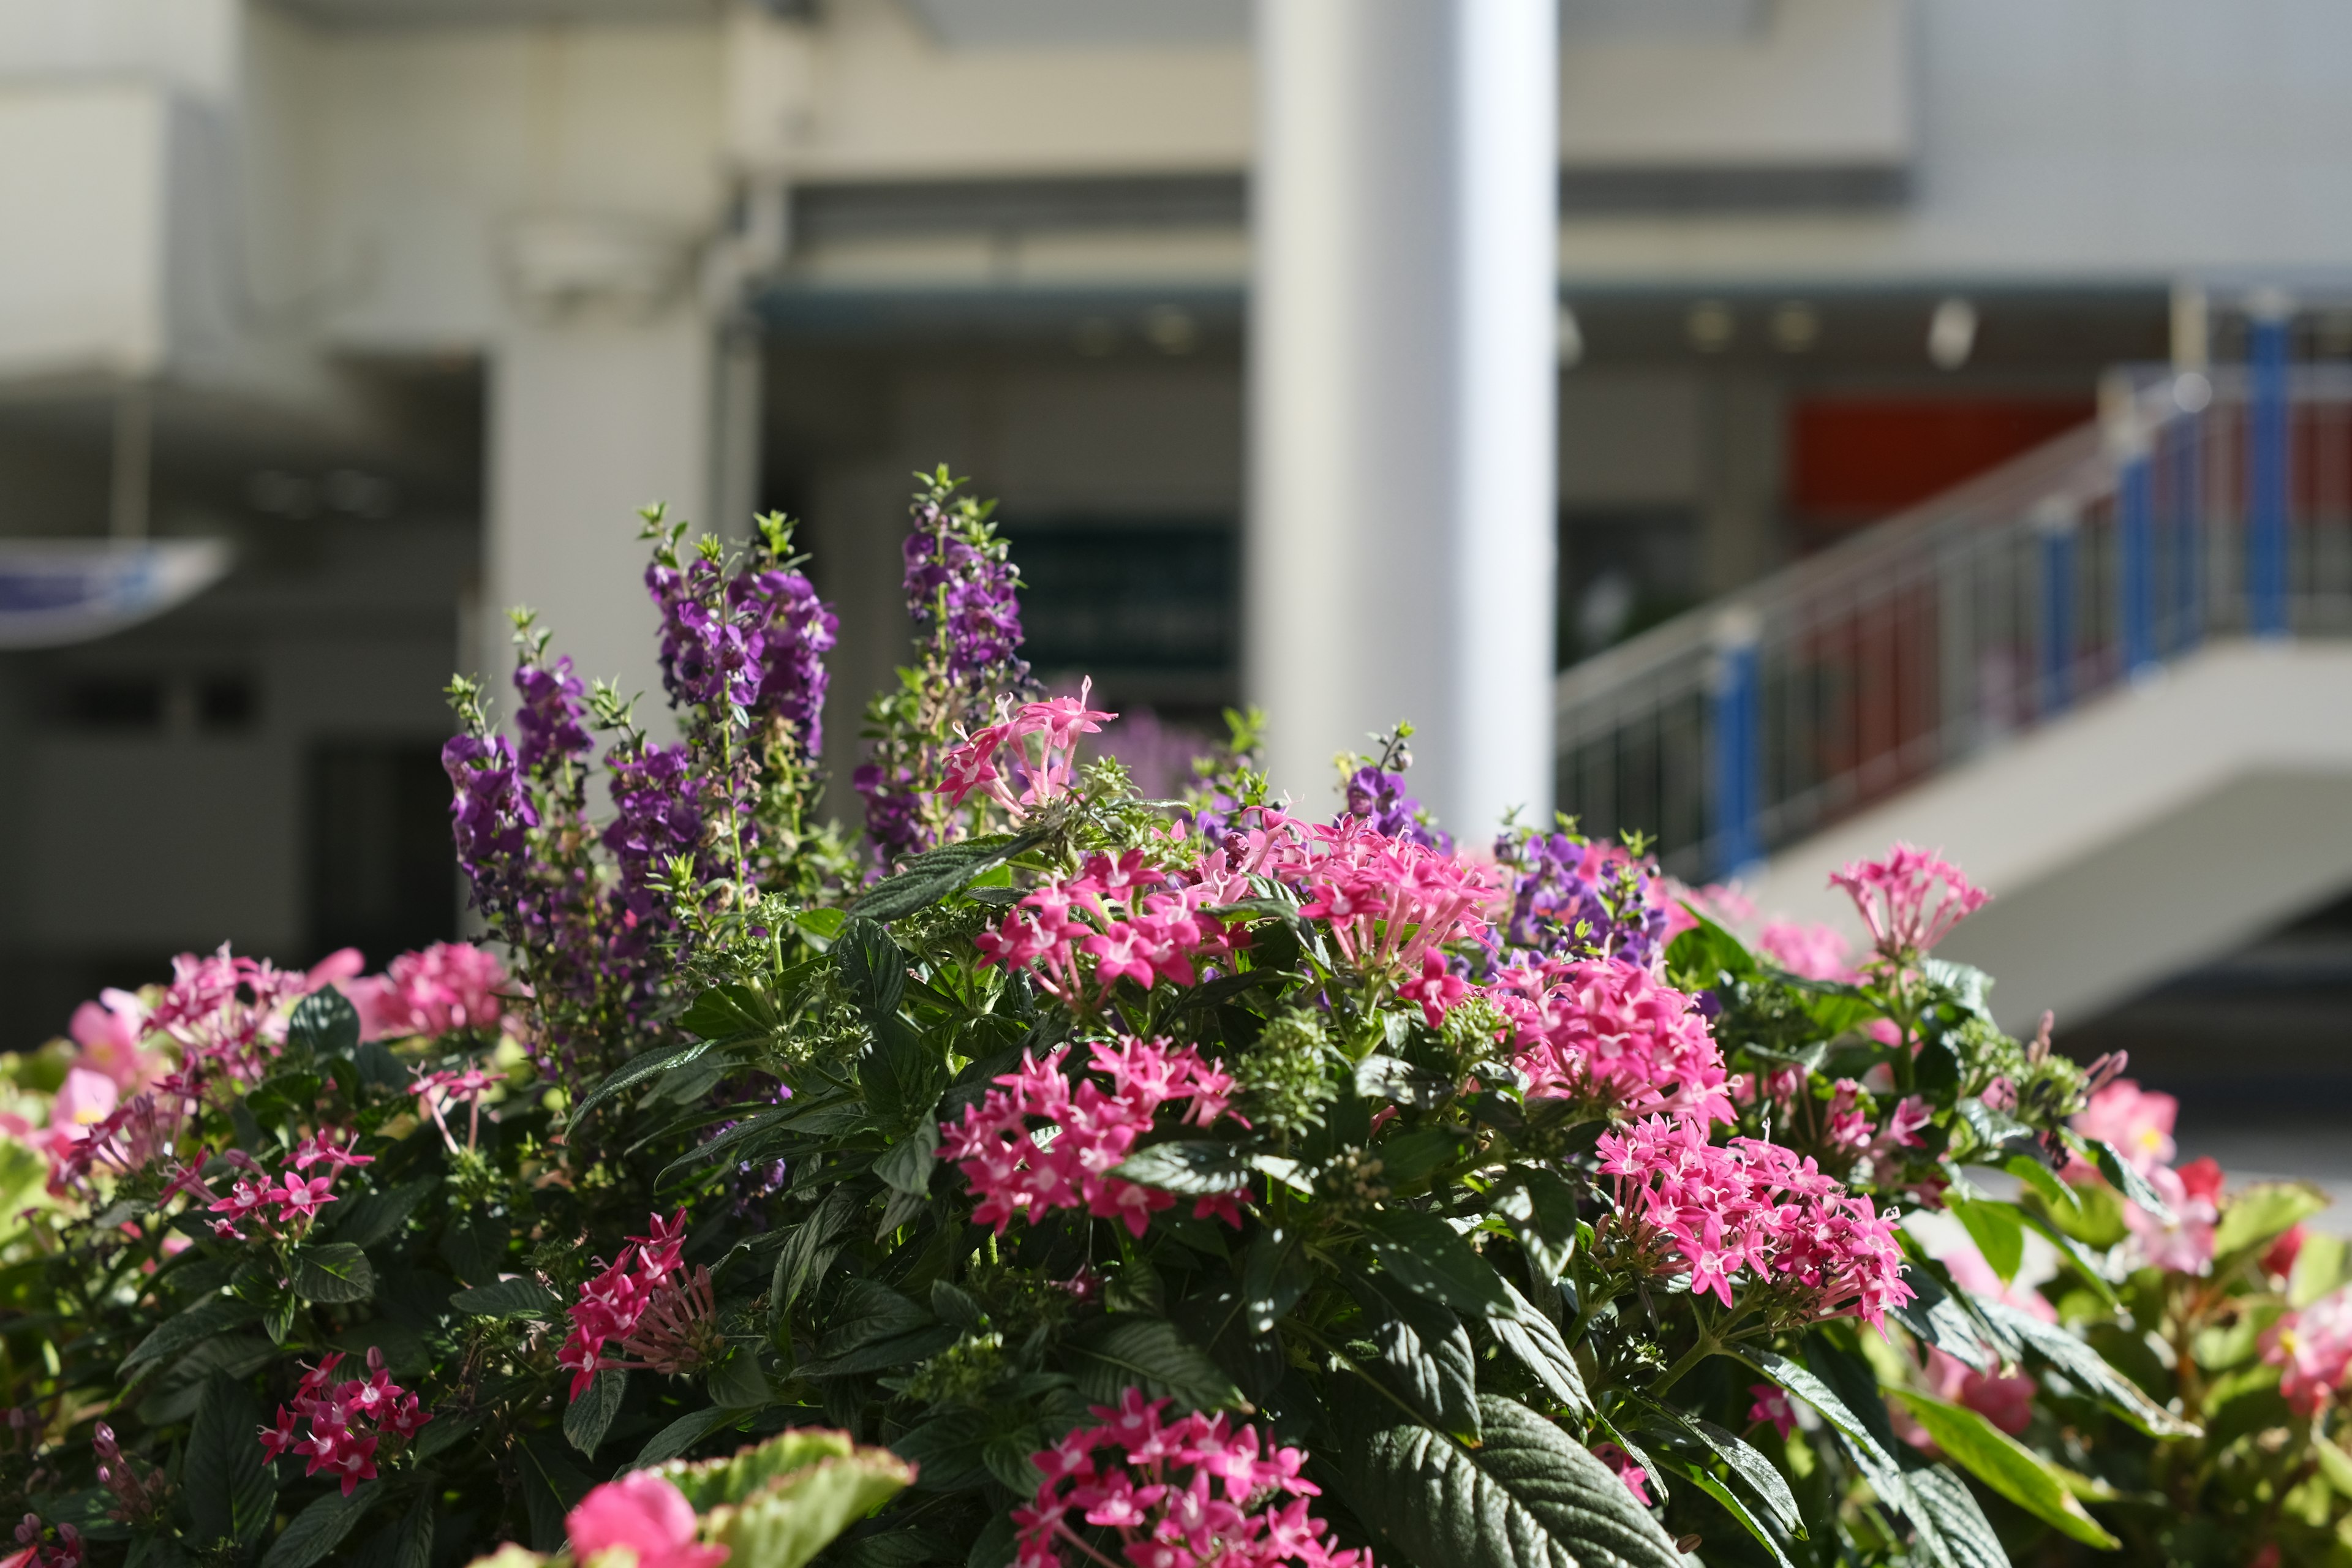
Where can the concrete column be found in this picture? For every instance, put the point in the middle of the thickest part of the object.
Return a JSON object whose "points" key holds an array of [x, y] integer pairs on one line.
{"points": [[590, 420], [1399, 553]]}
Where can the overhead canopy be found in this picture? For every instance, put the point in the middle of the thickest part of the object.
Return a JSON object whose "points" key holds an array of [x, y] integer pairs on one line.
{"points": [[53, 592]]}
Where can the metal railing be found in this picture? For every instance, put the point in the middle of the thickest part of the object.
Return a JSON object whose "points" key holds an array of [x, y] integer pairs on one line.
{"points": [[2198, 505]]}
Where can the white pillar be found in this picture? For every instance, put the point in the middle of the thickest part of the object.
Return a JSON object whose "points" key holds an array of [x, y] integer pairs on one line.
{"points": [[1400, 536], [589, 421]]}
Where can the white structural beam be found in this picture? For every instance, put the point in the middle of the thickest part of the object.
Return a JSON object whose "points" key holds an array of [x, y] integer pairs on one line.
{"points": [[589, 421], [1401, 382], [2167, 823]]}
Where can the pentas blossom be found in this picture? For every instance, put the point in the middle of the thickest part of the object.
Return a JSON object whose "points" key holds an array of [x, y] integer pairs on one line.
{"points": [[348, 1422], [229, 1014], [1626, 1468], [1612, 1034], [34, 1549], [140, 1134], [1388, 901], [1120, 918], [2312, 1348], [449, 986], [1019, 1170], [645, 1516], [1812, 951], [1572, 898], [295, 1197], [1769, 1403], [1173, 1494], [1031, 777], [140, 1495], [612, 1303], [1910, 900], [1752, 1214], [437, 1091]]}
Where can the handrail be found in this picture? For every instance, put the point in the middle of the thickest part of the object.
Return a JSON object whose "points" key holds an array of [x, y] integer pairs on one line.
{"points": [[2196, 504]]}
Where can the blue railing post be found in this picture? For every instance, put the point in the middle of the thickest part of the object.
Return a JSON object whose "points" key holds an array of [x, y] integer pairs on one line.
{"points": [[2057, 525], [2266, 468], [1735, 704], [2136, 561], [2185, 438]]}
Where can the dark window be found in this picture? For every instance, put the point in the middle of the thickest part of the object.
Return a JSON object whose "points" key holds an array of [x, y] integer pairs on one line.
{"points": [[383, 878], [1621, 573], [226, 702], [1111, 597], [110, 702]]}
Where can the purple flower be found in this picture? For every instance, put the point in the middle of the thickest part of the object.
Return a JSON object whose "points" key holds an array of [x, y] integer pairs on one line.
{"points": [[1380, 797], [891, 804], [960, 584], [797, 629], [1572, 898], [549, 717], [490, 811]]}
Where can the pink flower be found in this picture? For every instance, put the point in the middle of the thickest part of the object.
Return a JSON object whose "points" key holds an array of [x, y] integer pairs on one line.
{"points": [[1772, 1404], [1609, 1032], [1180, 1494], [1015, 1172], [1438, 989], [645, 1514], [2005, 1401], [83, 1100], [1635, 1478], [108, 1032], [447, 987], [2312, 1349], [226, 1012], [611, 1304], [2136, 1121], [2278, 1258], [1899, 900], [1041, 776], [2185, 1244]]}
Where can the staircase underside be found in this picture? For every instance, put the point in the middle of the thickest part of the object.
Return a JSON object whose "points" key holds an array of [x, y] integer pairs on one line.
{"points": [[2149, 829]]}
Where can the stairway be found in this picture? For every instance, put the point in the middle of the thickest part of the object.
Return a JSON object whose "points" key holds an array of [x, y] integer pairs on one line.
{"points": [[2113, 679]]}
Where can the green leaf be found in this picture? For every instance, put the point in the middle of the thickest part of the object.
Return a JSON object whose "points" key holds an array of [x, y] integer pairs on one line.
{"points": [[1424, 1351], [2005, 1465], [1541, 1209], [319, 1529], [1935, 1319], [927, 878], [363, 1221], [517, 1297], [552, 1487], [724, 1013], [872, 967], [476, 1247], [230, 1490], [415, 1547], [1701, 1477], [2086, 1369], [1529, 1497], [742, 1475], [1129, 1350], [681, 1435], [1759, 1474], [794, 1516], [334, 1271], [2257, 1214], [652, 1064], [1995, 1229], [326, 1023], [809, 1250], [1386, 1080], [1965, 1536], [2043, 1180], [214, 1315], [2335, 1465], [906, 1165], [2130, 1182], [586, 1419], [1426, 1256], [1861, 1440], [1536, 1339], [1188, 1168], [881, 1353], [2084, 1264]]}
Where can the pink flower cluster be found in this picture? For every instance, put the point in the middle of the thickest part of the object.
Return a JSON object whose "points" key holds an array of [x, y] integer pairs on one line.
{"points": [[611, 1304], [229, 1012], [347, 1420], [1755, 1209], [1126, 918], [1389, 902], [1627, 1470], [1910, 900], [1042, 776], [1173, 1494], [1610, 1033], [32, 1552], [2140, 1123], [2313, 1351], [1020, 1171], [449, 986], [297, 1198], [644, 1515]]}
